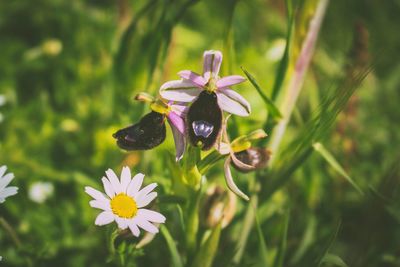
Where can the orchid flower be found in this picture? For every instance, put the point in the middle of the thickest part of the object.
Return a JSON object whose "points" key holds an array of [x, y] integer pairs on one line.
{"points": [[242, 156], [175, 113], [192, 84]]}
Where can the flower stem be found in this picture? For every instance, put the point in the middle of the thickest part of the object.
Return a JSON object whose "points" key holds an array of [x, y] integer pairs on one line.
{"points": [[11, 232]]}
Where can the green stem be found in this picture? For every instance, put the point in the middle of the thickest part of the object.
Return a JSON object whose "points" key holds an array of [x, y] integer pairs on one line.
{"points": [[11, 232]]}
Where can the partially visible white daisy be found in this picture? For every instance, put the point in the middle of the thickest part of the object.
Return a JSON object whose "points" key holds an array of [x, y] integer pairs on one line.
{"points": [[5, 179], [40, 191], [124, 202]]}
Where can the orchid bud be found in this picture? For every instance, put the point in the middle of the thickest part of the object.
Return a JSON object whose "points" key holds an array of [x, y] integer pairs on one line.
{"points": [[255, 156], [144, 97], [218, 205]]}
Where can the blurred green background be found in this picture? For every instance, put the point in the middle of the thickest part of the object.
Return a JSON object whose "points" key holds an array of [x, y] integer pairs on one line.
{"points": [[69, 71]]}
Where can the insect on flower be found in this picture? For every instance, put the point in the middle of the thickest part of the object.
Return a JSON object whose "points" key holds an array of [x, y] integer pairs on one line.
{"points": [[124, 202], [209, 95]]}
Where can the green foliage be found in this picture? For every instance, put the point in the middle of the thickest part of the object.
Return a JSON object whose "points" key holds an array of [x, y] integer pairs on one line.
{"points": [[70, 69]]}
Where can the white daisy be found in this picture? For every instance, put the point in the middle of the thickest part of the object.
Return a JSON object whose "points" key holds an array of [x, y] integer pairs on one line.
{"points": [[124, 202], [5, 179]]}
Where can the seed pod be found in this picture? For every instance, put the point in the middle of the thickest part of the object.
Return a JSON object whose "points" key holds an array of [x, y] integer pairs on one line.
{"points": [[204, 120], [148, 133], [255, 156]]}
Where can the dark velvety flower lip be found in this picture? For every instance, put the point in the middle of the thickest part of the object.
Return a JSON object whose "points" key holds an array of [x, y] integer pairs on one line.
{"points": [[204, 120], [148, 133]]}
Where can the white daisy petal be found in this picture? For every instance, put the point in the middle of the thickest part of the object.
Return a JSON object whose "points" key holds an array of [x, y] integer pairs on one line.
{"points": [[9, 191], [122, 222], [232, 102], [100, 205], [6, 180], [180, 90], [114, 181], [151, 215], [108, 187], [146, 225], [134, 228], [125, 178], [144, 200], [135, 184], [145, 190], [97, 195], [3, 170], [105, 217]]}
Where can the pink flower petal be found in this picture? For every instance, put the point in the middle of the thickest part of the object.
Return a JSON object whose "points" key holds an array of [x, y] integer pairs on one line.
{"points": [[212, 63], [177, 121], [180, 91], [232, 102], [230, 80], [193, 77], [180, 110], [180, 141]]}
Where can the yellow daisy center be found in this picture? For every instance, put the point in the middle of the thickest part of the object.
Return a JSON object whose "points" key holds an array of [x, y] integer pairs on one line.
{"points": [[123, 206]]}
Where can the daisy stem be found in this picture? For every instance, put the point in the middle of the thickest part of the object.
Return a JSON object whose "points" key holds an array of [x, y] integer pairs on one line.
{"points": [[11, 232]]}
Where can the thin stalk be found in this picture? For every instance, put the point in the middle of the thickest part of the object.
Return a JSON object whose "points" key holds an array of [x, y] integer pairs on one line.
{"points": [[11, 232], [246, 228]]}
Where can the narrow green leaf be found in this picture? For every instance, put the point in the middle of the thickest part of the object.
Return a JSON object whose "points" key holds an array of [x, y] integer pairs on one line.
{"points": [[175, 257], [328, 246], [262, 248], [335, 164], [278, 262], [272, 109], [205, 255], [306, 241], [208, 161], [284, 63], [333, 260]]}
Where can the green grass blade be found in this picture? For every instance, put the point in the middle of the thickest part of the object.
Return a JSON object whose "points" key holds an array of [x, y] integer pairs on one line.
{"points": [[206, 254], [262, 248], [333, 260], [329, 245], [306, 241], [272, 109], [278, 262], [284, 63], [173, 250], [335, 164]]}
